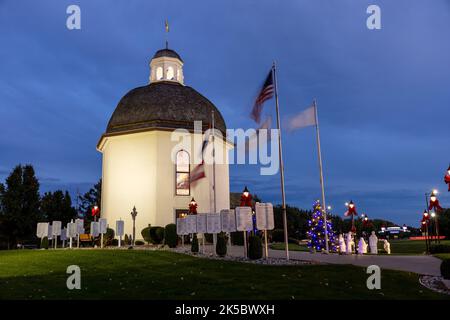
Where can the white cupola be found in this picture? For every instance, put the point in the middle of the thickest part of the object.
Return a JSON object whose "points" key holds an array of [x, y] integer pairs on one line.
{"points": [[166, 65]]}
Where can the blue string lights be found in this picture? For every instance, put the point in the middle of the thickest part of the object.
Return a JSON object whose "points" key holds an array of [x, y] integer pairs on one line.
{"points": [[316, 233]]}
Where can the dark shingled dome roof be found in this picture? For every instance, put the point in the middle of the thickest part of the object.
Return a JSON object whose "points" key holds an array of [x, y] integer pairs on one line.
{"points": [[163, 105], [167, 53]]}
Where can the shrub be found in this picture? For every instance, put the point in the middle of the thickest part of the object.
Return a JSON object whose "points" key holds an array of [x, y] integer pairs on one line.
{"points": [[209, 237], [115, 242], [139, 243], [108, 237], [126, 240], [237, 238], [255, 250], [439, 248], [146, 234], [170, 235], [221, 245], [445, 269], [44, 243], [156, 235], [194, 246], [278, 235]]}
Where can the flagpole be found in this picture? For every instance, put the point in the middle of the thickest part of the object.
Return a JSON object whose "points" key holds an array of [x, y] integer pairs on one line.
{"points": [[214, 171], [280, 156], [324, 207]]}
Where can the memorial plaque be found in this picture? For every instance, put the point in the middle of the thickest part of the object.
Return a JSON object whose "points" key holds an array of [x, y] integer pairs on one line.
{"points": [[42, 230], [63, 235], [264, 216], [103, 225], [191, 223], [120, 228], [95, 229], [56, 228], [228, 220], [50, 232], [244, 220], [71, 230], [80, 226], [181, 226], [201, 223], [213, 224]]}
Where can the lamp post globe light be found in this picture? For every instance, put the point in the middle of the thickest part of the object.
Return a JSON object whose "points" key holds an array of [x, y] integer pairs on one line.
{"points": [[133, 216]]}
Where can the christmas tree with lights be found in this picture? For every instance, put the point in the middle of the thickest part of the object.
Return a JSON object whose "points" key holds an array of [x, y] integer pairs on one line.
{"points": [[316, 233]]}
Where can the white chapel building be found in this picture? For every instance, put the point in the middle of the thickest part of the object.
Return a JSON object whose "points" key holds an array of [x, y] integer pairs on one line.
{"points": [[137, 151]]}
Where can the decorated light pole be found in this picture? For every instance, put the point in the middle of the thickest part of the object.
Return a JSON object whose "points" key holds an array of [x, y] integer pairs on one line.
{"points": [[246, 201], [133, 216], [351, 210], [447, 178], [424, 226], [95, 212], [434, 204], [193, 206]]}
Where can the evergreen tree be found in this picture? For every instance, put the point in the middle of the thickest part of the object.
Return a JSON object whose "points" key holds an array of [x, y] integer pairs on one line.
{"points": [[89, 200], [58, 206], [20, 205], [316, 233]]}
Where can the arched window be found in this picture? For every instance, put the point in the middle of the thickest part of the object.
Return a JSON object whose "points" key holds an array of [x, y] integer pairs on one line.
{"points": [[182, 173], [159, 73], [170, 74]]}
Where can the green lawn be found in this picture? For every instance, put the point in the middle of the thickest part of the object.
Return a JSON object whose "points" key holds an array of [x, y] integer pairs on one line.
{"points": [[133, 274], [398, 247]]}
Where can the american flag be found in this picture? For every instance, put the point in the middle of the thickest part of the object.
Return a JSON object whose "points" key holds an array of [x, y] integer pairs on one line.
{"points": [[265, 94], [198, 172]]}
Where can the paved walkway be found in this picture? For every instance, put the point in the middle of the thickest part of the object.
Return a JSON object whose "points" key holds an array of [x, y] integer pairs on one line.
{"points": [[426, 265]]}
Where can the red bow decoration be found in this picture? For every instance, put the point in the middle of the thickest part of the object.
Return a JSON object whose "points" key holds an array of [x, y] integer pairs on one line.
{"points": [[424, 223], [193, 208], [95, 211], [435, 205], [246, 201], [351, 211], [447, 181]]}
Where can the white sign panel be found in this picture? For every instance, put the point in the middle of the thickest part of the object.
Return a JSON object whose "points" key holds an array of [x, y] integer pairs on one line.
{"points": [[80, 226], [191, 223], [213, 223], [42, 230], [201, 223], [50, 232], [120, 228], [103, 225], [64, 234], [181, 226], [228, 220], [56, 228], [71, 230], [244, 220], [95, 229], [264, 216]]}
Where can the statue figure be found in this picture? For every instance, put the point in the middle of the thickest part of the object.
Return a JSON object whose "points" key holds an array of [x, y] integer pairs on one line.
{"points": [[373, 243], [342, 246], [350, 243], [387, 247], [362, 246]]}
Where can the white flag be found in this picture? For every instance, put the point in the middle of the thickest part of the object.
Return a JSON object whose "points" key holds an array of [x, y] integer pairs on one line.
{"points": [[305, 118]]}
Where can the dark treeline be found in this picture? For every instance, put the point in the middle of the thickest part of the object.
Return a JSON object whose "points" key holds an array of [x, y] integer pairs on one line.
{"points": [[22, 206]]}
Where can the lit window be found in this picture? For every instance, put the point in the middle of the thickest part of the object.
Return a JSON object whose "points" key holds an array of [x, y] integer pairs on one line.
{"points": [[170, 73], [182, 173], [159, 73]]}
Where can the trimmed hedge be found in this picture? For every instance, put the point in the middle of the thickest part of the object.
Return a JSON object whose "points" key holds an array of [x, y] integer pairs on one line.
{"points": [[108, 237], [194, 245], [156, 235], [146, 234], [170, 235], [445, 269], [439, 248], [139, 242], [44, 243], [255, 250], [221, 245]]}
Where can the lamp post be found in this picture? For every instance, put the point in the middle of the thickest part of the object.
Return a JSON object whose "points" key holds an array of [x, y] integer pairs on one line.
{"points": [[246, 201], [133, 216], [95, 211], [351, 210], [434, 203], [425, 222]]}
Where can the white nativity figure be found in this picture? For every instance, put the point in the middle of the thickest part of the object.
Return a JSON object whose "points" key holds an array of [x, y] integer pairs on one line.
{"points": [[362, 246], [387, 247], [350, 243], [373, 243], [342, 246]]}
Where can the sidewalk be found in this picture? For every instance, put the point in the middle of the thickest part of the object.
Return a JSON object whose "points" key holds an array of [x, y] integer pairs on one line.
{"points": [[424, 265]]}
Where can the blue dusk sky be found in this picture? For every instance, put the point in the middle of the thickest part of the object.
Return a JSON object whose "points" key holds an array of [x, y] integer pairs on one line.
{"points": [[383, 95]]}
